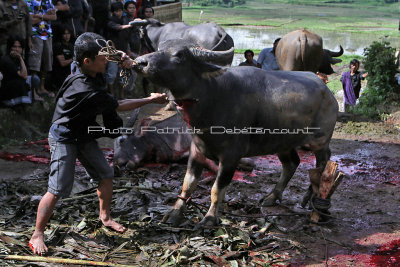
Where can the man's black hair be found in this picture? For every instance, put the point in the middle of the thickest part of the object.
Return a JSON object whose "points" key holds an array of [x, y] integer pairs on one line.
{"points": [[11, 40], [249, 51], [354, 62], [117, 6], [88, 45], [128, 3]]}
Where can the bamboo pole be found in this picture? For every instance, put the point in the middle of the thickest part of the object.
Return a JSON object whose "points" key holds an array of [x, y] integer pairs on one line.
{"points": [[64, 261]]}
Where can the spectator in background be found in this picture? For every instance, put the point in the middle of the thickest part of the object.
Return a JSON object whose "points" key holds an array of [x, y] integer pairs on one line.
{"points": [[133, 39], [100, 15], [62, 13], [147, 12], [266, 59], [40, 58], [76, 11], [87, 19], [119, 34], [351, 82], [63, 52], [14, 18], [15, 91], [249, 56], [134, 35]]}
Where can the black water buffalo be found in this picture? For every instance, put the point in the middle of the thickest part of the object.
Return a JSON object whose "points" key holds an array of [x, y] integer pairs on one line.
{"points": [[159, 142], [207, 35], [239, 112], [302, 50]]}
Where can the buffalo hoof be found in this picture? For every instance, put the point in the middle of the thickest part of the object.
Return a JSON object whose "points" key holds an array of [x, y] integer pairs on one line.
{"points": [[207, 222], [173, 217], [271, 199]]}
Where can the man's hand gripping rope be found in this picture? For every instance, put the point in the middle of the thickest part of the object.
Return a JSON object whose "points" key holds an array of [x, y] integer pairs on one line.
{"points": [[117, 56]]}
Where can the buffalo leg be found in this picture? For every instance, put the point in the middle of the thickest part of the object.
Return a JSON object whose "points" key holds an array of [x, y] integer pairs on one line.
{"points": [[224, 177], [290, 161], [322, 156], [193, 172]]}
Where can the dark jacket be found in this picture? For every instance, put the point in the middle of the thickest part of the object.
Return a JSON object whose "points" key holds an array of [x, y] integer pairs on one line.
{"points": [[119, 37], [79, 101]]}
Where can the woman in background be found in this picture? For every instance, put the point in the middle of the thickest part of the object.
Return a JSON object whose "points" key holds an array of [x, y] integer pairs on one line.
{"points": [[351, 82], [16, 88], [63, 51]]}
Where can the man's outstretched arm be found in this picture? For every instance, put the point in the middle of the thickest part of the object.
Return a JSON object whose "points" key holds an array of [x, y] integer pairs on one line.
{"points": [[130, 104]]}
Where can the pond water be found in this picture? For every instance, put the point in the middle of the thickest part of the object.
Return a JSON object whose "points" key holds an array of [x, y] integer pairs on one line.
{"points": [[261, 37]]}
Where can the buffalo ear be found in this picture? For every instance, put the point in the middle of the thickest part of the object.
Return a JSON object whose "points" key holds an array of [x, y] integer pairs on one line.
{"points": [[205, 67], [143, 123]]}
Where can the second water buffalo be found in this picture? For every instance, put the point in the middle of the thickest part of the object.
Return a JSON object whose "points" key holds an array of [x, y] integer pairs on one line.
{"points": [[302, 50]]}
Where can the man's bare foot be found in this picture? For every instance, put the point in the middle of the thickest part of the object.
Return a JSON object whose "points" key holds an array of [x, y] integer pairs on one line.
{"points": [[37, 243], [113, 225]]}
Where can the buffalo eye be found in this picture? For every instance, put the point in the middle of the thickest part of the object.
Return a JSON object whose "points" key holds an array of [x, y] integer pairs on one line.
{"points": [[178, 54], [122, 139]]}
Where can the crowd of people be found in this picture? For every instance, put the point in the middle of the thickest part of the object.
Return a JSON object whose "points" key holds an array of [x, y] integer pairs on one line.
{"points": [[37, 40]]}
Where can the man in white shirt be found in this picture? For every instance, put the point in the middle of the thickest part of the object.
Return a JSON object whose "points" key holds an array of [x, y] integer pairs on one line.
{"points": [[266, 59]]}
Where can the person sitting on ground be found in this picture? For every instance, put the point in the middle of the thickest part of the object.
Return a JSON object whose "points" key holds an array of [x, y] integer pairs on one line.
{"points": [[63, 52], [83, 96], [351, 83], [249, 56], [266, 59], [15, 91]]}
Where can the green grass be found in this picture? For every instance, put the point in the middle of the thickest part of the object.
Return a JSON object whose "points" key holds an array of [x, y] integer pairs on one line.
{"points": [[335, 85], [359, 16]]}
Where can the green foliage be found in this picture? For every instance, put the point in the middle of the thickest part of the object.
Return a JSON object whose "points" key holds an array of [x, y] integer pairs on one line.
{"points": [[382, 89], [335, 86]]}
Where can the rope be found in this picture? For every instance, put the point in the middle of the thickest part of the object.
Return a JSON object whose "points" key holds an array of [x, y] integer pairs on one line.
{"points": [[321, 206], [114, 55]]}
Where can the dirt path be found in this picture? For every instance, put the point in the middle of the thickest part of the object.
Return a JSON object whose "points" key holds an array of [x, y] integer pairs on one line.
{"points": [[366, 231]]}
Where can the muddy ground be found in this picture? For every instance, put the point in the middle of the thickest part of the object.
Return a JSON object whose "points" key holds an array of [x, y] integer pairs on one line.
{"points": [[364, 230]]}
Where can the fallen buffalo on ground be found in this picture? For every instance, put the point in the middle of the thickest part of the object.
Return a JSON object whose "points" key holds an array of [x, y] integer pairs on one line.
{"points": [[161, 142], [240, 112]]}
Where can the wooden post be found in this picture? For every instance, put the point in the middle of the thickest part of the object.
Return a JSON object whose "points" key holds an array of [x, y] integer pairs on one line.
{"points": [[339, 177]]}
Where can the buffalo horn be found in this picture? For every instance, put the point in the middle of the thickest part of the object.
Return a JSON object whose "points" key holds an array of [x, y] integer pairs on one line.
{"points": [[336, 54], [208, 55], [133, 118], [138, 23]]}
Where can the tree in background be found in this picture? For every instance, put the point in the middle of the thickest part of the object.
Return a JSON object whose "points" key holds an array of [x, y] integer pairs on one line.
{"points": [[383, 91]]}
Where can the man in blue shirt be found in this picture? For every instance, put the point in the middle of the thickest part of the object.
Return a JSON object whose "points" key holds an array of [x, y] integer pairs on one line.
{"points": [[266, 59]]}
